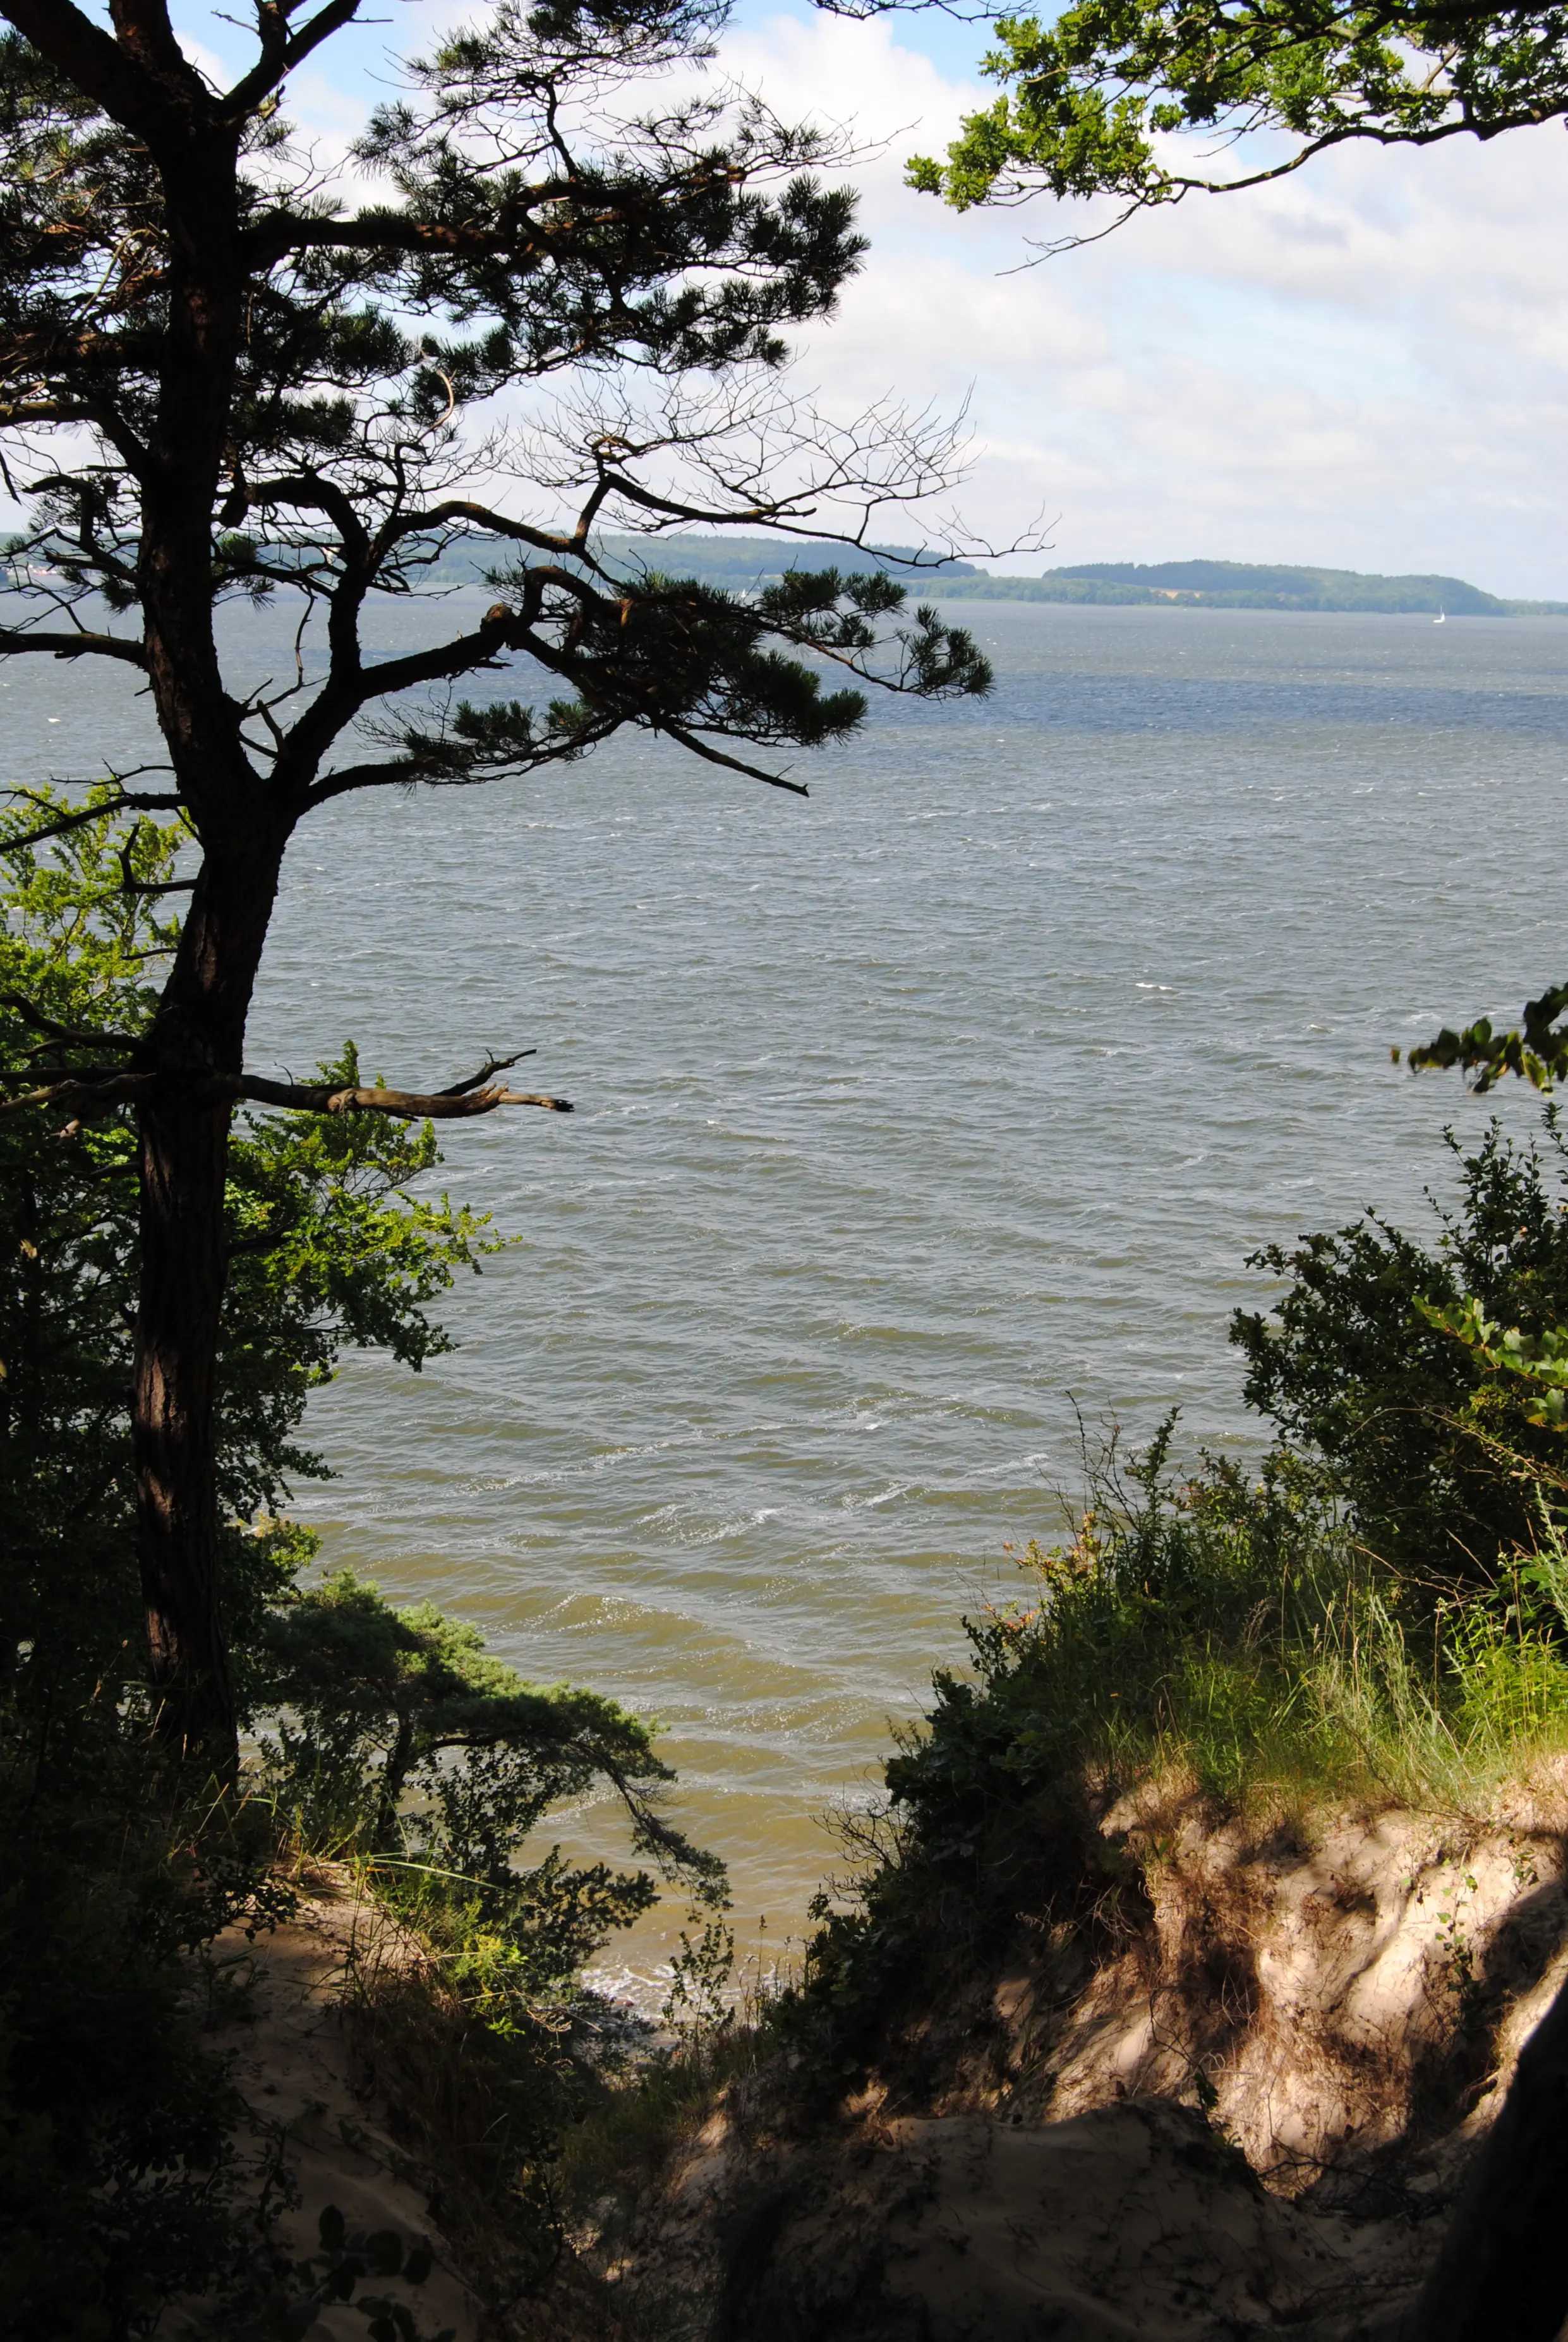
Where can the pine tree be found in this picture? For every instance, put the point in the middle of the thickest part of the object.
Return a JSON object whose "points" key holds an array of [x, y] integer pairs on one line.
{"points": [[221, 376]]}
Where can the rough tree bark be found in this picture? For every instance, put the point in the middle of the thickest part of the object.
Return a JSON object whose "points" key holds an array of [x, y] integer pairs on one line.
{"points": [[183, 1155], [199, 1030], [1502, 2271]]}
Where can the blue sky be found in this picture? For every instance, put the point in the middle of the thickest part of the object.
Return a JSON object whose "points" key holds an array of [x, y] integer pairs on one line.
{"points": [[1366, 365]]}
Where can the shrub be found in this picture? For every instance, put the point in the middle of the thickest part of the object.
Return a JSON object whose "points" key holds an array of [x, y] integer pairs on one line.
{"points": [[401, 1740], [1231, 1635], [115, 2155], [1421, 1434]]}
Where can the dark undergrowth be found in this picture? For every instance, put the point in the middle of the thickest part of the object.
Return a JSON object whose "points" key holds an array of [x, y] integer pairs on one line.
{"points": [[115, 2154], [383, 1736]]}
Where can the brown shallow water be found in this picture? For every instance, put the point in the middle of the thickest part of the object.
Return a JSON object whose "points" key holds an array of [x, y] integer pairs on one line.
{"points": [[905, 1118]]}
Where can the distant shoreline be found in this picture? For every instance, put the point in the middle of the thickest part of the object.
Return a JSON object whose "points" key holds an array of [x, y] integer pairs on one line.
{"points": [[746, 565], [1087, 595], [1400, 597]]}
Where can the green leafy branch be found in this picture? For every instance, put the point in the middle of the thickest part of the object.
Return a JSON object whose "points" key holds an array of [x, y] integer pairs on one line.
{"points": [[1540, 1359], [1095, 99], [1537, 1052]]}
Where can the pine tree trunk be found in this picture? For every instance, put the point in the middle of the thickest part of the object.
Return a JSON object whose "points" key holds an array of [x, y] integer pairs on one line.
{"points": [[184, 1130], [184, 1152], [1501, 2273]]}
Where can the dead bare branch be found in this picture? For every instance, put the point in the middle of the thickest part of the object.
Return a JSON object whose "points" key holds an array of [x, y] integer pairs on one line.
{"points": [[491, 1065], [61, 824], [79, 1037], [89, 1098], [408, 1105], [70, 647]]}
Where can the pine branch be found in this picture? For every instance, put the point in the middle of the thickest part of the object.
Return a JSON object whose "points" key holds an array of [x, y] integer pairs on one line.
{"points": [[732, 763], [69, 646], [281, 55], [78, 1036], [92, 59]]}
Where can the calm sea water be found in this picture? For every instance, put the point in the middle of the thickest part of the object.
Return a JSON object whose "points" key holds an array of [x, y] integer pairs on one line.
{"points": [[907, 1117]]}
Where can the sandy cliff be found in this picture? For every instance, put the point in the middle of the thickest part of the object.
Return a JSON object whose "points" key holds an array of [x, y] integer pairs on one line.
{"points": [[1245, 2108]]}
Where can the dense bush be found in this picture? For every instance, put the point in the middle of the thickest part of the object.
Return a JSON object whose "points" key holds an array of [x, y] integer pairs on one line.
{"points": [[1171, 1631], [397, 1741], [1236, 1637], [1422, 1437], [331, 1243], [114, 2121]]}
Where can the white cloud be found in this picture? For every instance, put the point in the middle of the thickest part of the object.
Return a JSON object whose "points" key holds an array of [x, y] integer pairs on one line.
{"points": [[1366, 364]]}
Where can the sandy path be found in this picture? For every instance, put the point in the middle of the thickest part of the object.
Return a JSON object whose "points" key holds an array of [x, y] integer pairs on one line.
{"points": [[318, 2136]]}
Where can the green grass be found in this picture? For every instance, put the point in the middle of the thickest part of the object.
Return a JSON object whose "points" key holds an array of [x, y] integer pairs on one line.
{"points": [[1237, 1632], [1224, 1636]]}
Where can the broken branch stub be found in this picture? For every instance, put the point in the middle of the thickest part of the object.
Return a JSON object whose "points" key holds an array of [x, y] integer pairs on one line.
{"points": [[439, 1104]]}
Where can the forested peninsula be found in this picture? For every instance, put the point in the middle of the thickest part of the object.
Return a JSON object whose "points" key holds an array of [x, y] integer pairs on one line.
{"points": [[743, 563], [1249, 586]]}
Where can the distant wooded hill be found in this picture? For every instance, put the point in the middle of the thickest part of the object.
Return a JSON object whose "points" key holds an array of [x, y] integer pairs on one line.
{"points": [[1254, 585], [746, 563]]}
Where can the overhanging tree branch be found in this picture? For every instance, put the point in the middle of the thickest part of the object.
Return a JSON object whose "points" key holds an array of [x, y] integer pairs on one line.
{"points": [[61, 824], [89, 1096], [1094, 101], [409, 1105], [78, 1036], [732, 763], [71, 647]]}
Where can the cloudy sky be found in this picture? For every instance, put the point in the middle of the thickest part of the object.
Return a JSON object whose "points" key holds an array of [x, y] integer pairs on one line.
{"points": [[1366, 366]]}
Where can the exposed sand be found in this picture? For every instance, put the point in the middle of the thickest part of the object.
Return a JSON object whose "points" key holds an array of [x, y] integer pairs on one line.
{"points": [[317, 2133], [1032, 2161], [1132, 2221], [1354, 2007]]}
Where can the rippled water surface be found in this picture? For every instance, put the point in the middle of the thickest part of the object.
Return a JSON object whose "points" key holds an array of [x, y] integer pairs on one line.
{"points": [[905, 1117]]}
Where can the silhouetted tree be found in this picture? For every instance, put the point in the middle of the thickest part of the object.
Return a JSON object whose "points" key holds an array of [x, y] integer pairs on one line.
{"points": [[221, 376]]}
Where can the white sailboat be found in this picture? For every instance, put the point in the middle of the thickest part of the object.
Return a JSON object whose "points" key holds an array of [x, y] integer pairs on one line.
{"points": [[1441, 619]]}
